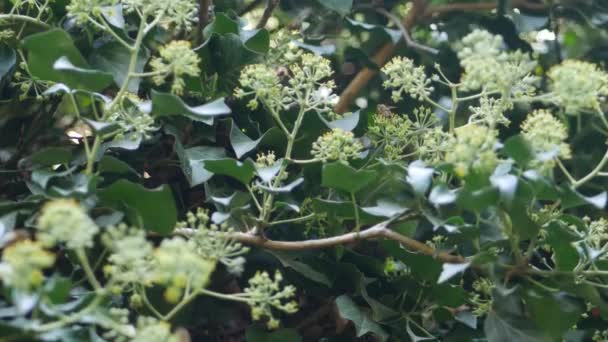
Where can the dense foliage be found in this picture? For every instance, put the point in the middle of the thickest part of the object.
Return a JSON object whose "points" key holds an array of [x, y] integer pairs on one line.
{"points": [[176, 170]]}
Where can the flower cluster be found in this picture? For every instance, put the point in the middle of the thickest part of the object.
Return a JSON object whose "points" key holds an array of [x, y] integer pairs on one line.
{"points": [[22, 265], [265, 159], [178, 266], [490, 112], [487, 66], [432, 145], [473, 150], [597, 233], [482, 298], [213, 242], [83, 10], [176, 59], [131, 255], [265, 294], [546, 135], [178, 14], [131, 119], [283, 49], [152, 330], [578, 85], [406, 78], [392, 132], [263, 83], [336, 144], [65, 221]]}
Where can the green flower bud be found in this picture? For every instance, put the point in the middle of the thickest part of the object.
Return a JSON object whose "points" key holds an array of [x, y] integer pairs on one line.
{"points": [[336, 144], [176, 59], [546, 135], [473, 150], [578, 86], [405, 78], [22, 265], [65, 221], [265, 295]]}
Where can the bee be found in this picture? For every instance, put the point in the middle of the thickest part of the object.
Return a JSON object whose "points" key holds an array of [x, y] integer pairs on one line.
{"points": [[384, 110]]}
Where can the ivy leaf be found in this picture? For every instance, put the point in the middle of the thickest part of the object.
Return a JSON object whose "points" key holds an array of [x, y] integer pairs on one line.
{"points": [[113, 14], [341, 176], [519, 150], [256, 333], [348, 122], [385, 208], [394, 35], [62, 63], [193, 162], [242, 144], [242, 171], [364, 324], [283, 189], [8, 58], [554, 313], [343, 7], [147, 203], [442, 195], [449, 270], [419, 177], [505, 328], [114, 58], [165, 104]]}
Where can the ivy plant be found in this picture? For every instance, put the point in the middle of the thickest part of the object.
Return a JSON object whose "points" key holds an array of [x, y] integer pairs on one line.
{"points": [[175, 170]]}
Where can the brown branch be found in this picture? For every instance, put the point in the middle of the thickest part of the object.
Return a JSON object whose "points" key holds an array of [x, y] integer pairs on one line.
{"points": [[380, 58], [249, 7], [379, 231], [419, 11], [440, 10], [203, 19], [270, 6]]}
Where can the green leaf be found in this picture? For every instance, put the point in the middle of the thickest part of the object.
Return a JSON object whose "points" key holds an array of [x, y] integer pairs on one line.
{"points": [[394, 35], [155, 207], [442, 195], [505, 328], [165, 104], [519, 150], [364, 324], [8, 58], [304, 269], [343, 177], [450, 270], [343, 7], [114, 58], [419, 177], [52, 155], [561, 240], [193, 162], [348, 122], [62, 63], [385, 208], [113, 14], [109, 164], [554, 313], [256, 40], [242, 171], [256, 333], [242, 144]]}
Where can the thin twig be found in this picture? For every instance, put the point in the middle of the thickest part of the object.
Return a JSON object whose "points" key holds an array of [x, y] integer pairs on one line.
{"points": [[270, 6], [378, 231]]}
